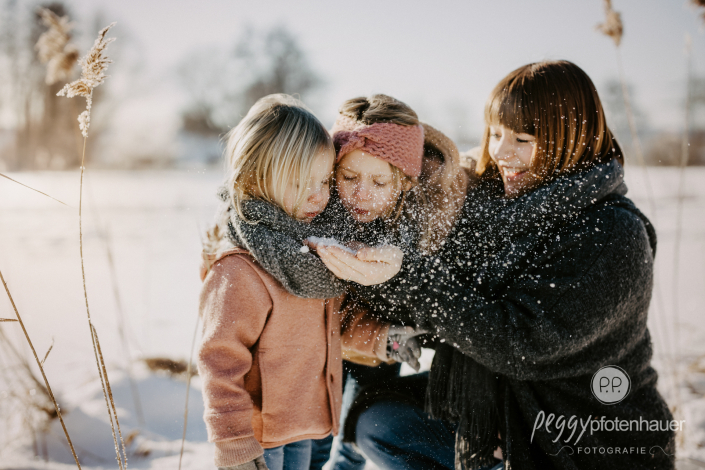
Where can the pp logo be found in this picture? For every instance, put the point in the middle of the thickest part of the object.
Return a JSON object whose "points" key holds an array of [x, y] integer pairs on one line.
{"points": [[610, 385]]}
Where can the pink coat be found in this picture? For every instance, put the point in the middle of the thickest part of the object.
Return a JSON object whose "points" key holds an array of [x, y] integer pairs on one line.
{"points": [[270, 361]]}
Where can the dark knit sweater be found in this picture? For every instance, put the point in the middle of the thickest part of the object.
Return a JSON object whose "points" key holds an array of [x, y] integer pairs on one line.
{"points": [[543, 290]]}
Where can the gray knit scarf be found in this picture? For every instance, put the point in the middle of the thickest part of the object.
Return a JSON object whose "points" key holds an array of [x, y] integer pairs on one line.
{"points": [[460, 389], [276, 242]]}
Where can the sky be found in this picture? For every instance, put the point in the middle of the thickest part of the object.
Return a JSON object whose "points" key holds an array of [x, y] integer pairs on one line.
{"points": [[443, 58]]}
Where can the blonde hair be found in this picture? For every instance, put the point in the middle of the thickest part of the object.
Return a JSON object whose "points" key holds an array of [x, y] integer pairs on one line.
{"points": [[436, 197], [275, 144], [556, 102]]}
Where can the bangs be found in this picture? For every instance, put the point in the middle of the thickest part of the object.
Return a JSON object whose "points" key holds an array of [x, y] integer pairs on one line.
{"points": [[510, 107], [556, 102]]}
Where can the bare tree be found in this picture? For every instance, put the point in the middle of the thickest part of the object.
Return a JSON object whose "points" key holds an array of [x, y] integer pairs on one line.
{"points": [[285, 70], [223, 85]]}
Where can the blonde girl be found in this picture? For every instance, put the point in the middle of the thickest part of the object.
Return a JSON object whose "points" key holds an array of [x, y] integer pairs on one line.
{"points": [[269, 359], [397, 181], [392, 169]]}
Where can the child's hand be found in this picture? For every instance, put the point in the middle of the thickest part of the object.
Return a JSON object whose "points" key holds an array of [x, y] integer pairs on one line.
{"points": [[369, 266]]}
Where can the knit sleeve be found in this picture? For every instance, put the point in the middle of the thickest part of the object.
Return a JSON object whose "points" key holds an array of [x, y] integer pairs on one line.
{"points": [[584, 302], [361, 332], [234, 305]]}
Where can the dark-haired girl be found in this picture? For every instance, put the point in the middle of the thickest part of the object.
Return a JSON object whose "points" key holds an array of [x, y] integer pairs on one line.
{"points": [[545, 280]]}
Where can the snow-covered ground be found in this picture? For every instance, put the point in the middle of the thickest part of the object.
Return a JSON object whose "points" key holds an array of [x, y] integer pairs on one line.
{"points": [[150, 223]]}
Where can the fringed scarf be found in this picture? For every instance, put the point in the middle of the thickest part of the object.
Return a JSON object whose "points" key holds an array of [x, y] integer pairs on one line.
{"points": [[460, 389], [464, 392]]}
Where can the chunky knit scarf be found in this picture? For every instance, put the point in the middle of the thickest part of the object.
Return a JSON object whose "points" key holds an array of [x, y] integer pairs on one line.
{"points": [[276, 242], [460, 389]]}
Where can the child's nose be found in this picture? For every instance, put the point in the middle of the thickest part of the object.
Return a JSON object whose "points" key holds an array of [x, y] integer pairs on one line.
{"points": [[362, 191], [317, 196]]}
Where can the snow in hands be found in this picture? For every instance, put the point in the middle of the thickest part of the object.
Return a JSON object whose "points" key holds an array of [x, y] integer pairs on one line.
{"points": [[325, 241]]}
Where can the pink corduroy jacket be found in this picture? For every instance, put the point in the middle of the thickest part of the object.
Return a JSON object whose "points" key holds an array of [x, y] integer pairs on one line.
{"points": [[270, 362]]}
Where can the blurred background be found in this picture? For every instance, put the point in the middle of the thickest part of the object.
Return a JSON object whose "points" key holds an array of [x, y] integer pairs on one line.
{"points": [[183, 74]]}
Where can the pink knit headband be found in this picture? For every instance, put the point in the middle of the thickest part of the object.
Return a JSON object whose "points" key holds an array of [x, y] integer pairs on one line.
{"points": [[402, 146]]}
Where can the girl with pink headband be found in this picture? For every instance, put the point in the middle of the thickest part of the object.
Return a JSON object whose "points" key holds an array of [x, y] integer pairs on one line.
{"points": [[397, 182], [391, 167]]}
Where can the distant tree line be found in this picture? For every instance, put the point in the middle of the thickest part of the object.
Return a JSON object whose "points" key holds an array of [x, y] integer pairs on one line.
{"points": [[223, 84]]}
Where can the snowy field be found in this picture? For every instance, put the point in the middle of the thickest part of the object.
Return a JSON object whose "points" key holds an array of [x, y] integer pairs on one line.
{"points": [[150, 224]]}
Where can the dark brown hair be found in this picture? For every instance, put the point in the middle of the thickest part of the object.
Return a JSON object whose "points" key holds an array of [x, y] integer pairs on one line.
{"points": [[379, 108], [557, 103]]}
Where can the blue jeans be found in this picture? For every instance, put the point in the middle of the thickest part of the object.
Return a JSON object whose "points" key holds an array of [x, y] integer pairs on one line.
{"points": [[345, 457], [400, 436], [300, 455]]}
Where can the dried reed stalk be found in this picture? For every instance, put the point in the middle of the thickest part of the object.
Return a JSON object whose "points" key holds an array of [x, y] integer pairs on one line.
{"points": [[699, 3], [51, 346], [36, 190], [613, 28], [53, 47], [188, 389], [681, 184], [104, 235], [41, 369], [93, 66], [111, 405], [98, 356]]}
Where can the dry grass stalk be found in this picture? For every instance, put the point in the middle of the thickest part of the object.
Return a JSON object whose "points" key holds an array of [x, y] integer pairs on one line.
{"points": [[681, 184], [7, 319], [93, 67], [612, 26], [41, 369], [112, 410], [100, 363], [699, 3], [105, 237], [51, 346], [29, 187], [53, 47]]}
